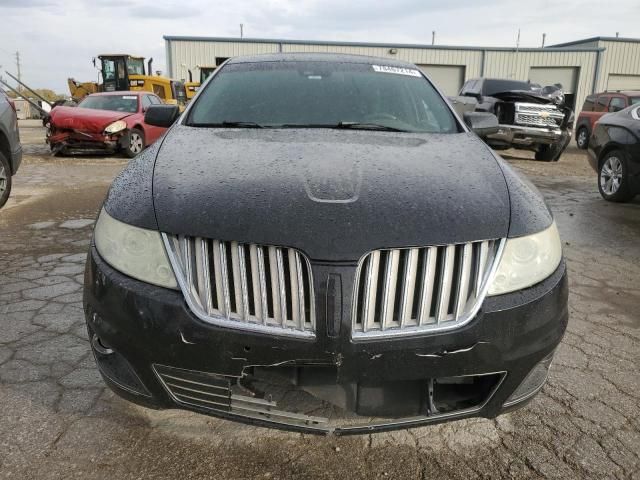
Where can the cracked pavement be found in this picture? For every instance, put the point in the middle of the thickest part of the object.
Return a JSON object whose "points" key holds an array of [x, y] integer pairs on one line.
{"points": [[58, 420]]}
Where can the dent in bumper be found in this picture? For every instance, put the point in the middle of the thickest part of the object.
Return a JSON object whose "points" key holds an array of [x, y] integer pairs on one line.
{"points": [[151, 326]]}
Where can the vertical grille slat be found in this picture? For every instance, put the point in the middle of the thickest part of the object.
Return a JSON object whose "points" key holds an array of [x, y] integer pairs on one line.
{"points": [[429, 277], [465, 278], [371, 290], [445, 283], [415, 289], [389, 291], [408, 290], [257, 287], [295, 293]]}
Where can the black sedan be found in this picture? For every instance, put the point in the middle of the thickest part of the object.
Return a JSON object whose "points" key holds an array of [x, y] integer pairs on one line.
{"points": [[320, 244], [614, 152]]}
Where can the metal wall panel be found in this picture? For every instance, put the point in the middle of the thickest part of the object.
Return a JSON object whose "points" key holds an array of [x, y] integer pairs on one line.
{"points": [[448, 78], [619, 58], [623, 82]]}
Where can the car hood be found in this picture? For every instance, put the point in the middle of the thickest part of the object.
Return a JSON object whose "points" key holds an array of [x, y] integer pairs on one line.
{"points": [[333, 194], [84, 119], [523, 96]]}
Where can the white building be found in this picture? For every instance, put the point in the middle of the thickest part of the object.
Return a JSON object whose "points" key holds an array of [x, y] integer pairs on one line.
{"points": [[582, 67]]}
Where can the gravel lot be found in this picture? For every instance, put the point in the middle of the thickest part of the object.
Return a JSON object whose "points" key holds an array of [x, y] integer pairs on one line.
{"points": [[58, 420]]}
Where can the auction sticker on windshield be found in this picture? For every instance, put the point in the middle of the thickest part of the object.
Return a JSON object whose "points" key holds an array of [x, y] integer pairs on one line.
{"points": [[397, 70]]}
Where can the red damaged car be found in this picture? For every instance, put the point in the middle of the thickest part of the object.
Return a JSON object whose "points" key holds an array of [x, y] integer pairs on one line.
{"points": [[109, 122]]}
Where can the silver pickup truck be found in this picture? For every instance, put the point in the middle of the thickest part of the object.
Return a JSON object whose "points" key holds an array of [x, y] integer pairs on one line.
{"points": [[530, 117], [10, 148]]}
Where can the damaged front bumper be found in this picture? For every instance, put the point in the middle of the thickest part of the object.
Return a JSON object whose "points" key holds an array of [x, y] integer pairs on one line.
{"points": [[153, 351], [88, 141], [521, 136]]}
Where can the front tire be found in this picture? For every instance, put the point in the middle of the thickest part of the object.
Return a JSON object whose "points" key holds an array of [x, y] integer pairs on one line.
{"points": [[5, 180], [582, 138], [613, 177], [134, 143]]}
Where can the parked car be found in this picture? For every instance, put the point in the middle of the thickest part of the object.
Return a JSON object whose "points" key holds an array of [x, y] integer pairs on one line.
{"points": [[10, 147], [595, 106], [320, 244], [614, 152], [531, 117], [108, 122]]}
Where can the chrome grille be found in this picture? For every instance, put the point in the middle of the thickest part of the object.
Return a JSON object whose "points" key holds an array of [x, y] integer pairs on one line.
{"points": [[249, 286], [537, 120], [537, 115], [410, 290]]}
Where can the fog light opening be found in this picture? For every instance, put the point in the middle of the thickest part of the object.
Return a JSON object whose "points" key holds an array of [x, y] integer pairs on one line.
{"points": [[532, 383], [99, 346]]}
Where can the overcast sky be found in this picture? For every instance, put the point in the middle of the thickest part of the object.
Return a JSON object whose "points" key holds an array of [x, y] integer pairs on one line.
{"points": [[58, 38]]}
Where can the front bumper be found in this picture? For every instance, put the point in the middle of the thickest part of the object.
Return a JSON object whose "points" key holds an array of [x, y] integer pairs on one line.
{"points": [[90, 141], [521, 136], [157, 341]]}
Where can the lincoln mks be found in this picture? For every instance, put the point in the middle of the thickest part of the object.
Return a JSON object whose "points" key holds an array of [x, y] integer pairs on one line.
{"points": [[319, 243]]}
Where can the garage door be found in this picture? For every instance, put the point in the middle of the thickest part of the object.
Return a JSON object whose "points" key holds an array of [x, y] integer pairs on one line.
{"points": [[448, 78], [623, 82], [567, 76]]}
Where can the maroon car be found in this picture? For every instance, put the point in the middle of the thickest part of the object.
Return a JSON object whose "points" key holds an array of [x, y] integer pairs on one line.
{"points": [[595, 106], [108, 122]]}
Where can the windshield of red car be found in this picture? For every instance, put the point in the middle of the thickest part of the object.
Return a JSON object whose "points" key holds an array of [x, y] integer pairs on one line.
{"points": [[115, 103], [323, 94]]}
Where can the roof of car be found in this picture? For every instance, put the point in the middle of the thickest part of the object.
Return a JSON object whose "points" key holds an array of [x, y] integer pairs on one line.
{"points": [[122, 92], [628, 93], [320, 57]]}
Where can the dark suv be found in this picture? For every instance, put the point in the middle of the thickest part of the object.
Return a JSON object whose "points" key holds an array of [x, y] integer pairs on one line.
{"points": [[595, 106], [10, 148]]}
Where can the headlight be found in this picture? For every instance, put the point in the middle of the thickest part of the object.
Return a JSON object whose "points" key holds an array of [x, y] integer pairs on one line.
{"points": [[134, 251], [527, 261], [116, 127]]}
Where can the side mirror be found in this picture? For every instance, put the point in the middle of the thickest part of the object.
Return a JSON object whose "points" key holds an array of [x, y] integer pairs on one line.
{"points": [[161, 115], [475, 95], [482, 123]]}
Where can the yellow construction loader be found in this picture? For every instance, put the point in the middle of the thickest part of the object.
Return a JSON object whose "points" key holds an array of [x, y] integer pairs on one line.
{"points": [[191, 86], [122, 72]]}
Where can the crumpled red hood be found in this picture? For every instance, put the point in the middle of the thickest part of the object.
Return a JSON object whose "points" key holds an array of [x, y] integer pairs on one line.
{"points": [[84, 119]]}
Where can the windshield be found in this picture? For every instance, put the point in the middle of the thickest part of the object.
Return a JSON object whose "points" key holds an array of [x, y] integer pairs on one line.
{"points": [[116, 103], [492, 87], [322, 94], [135, 66]]}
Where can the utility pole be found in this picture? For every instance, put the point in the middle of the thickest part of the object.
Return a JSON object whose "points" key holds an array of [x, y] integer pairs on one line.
{"points": [[241, 30], [518, 41], [544, 37], [18, 68], [433, 37]]}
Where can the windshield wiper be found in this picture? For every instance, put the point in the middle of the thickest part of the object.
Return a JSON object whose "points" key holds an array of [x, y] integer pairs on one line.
{"points": [[241, 125], [369, 126], [226, 124], [343, 125]]}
